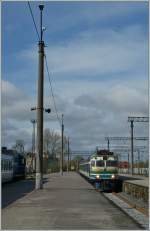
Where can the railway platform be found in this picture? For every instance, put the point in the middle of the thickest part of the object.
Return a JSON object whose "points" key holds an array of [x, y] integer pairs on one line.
{"points": [[66, 202]]}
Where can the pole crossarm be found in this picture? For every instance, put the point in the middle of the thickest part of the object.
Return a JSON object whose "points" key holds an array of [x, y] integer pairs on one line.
{"points": [[138, 119], [125, 138]]}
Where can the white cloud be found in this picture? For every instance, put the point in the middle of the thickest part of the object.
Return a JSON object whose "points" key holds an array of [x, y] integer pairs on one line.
{"points": [[96, 52], [16, 114], [101, 52], [92, 110], [15, 102], [89, 13], [103, 110]]}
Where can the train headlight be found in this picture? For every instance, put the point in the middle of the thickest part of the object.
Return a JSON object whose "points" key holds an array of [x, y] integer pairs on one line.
{"points": [[97, 176], [113, 176]]}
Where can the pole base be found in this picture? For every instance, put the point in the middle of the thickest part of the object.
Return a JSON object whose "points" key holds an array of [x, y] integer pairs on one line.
{"points": [[39, 181]]}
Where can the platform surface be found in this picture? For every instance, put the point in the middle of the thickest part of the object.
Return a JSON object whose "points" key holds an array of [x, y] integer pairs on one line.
{"points": [[66, 202]]}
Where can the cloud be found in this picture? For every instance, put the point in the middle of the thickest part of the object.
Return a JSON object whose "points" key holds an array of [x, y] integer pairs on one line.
{"points": [[15, 102], [95, 52], [103, 111], [118, 98], [99, 75], [101, 52], [16, 114], [76, 16]]}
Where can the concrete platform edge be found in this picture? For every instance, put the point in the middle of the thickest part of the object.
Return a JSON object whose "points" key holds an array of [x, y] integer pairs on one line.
{"points": [[138, 217]]}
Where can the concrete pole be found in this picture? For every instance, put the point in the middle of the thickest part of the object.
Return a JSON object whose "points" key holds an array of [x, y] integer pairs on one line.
{"points": [[34, 146], [39, 158], [132, 172], [62, 147], [33, 121], [68, 157]]}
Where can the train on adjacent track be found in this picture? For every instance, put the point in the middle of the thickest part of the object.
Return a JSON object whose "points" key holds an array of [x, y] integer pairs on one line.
{"points": [[12, 167], [101, 169]]}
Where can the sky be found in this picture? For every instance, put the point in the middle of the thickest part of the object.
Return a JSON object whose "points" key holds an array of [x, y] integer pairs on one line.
{"points": [[97, 54]]}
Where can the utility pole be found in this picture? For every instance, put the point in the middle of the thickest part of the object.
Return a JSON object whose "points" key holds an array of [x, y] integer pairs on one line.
{"points": [[62, 146], [132, 147], [68, 157], [39, 158], [33, 121]]}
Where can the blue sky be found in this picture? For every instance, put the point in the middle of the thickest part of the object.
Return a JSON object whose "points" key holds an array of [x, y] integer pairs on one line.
{"points": [[92, 48], [67, 20]]}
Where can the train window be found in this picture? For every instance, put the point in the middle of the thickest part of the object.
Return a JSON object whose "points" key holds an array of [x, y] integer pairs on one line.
{"points": [[92, 163], [112, 163], [99, 163], [104, 157]]}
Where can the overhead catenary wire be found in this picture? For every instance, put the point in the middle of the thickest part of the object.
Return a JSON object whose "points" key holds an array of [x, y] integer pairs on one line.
{"points": [[50, 82], [33, 20]]}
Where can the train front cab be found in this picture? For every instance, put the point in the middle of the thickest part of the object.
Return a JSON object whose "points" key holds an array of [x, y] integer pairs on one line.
{"points": [[103, 174]]}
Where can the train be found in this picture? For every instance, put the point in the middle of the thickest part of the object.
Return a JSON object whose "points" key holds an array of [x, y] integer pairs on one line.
{"points": [[101, 169], [12, 167]]}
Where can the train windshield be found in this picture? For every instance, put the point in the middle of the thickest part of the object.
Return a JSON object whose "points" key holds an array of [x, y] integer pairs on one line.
{"points": [[112, 163], [99, 163]]}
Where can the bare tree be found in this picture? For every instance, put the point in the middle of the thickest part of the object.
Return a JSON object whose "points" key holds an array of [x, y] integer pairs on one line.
{"points": [[52, 143]]}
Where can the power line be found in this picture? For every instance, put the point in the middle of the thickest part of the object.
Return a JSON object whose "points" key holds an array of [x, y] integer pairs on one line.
{"points": [[50, 82], [33, 20]]}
